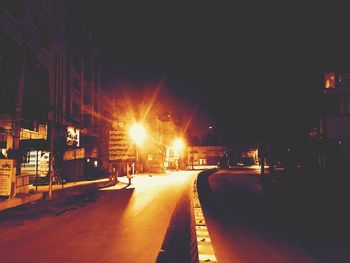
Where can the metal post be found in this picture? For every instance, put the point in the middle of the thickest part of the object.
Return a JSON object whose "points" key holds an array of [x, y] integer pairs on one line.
{"points": [[128, 173], [137, 161], [192, 156], [36, 170], [262, 165], [16, 124], [51, 156]]}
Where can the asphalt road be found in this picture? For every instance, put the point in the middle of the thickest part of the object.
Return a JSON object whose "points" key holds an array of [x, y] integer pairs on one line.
{"points": [[142, 223], [255, 219]]}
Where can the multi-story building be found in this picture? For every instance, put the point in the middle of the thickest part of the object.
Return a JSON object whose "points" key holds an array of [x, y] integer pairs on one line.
{"points": [[335, 124], [50, 86], [205, 155]]}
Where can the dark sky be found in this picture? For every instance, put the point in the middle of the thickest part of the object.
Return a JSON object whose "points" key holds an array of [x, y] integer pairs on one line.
{"points": [[256, 68]]}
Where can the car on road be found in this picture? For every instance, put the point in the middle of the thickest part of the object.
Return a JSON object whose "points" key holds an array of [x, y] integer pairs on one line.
{"points": [[279, 166]]}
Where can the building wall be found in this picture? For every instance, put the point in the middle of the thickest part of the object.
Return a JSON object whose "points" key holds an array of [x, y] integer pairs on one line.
{"points": [[49, 74], [335, 124], [205, 155]]}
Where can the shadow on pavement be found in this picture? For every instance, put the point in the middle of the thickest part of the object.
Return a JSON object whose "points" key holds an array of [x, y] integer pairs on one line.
{"points": [[34, 211]]}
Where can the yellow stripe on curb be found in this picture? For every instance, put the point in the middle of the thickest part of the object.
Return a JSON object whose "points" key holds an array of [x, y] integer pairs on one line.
{"points": [[205, 249]]}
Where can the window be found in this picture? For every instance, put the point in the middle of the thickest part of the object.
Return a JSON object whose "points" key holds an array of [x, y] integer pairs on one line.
{"points": [[329, 80]]}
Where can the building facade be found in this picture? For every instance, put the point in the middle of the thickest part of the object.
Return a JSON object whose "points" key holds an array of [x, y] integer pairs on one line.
{"points": [[205, 155], [335, 123], [50, 88]]}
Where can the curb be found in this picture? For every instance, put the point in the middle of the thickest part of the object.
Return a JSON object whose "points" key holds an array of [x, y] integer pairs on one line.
{"points": [[14, 202], [205, 250], [19, 200]]}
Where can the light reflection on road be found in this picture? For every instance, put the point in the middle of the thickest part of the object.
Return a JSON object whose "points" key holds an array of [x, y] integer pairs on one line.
{"points": [[148, 189]]}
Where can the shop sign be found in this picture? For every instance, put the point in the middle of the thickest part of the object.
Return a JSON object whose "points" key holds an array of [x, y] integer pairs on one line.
{"points": [[74, 154], [34, 135], [7, 176], [118, 125], [69, 155], [120, 147], [73, 136], [80, 153]]}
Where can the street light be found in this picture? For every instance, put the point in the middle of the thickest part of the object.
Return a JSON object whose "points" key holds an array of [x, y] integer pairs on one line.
{"points": [[137, 134]]}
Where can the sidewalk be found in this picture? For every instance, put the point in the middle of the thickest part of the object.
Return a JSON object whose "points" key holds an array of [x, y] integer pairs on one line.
{"points": [[68, 189]]}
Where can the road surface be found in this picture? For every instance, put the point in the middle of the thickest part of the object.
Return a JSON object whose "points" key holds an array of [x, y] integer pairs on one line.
{"points": [[141, 223], [252, 219]]}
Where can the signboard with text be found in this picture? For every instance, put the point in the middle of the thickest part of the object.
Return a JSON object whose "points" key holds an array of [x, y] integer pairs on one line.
{"points": [[78, 153], [41, 133], [73, 135], [7, 176], [120, 147]]}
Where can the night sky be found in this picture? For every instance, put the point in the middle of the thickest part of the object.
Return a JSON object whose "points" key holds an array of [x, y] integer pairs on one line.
{"points": [[255, 69]]}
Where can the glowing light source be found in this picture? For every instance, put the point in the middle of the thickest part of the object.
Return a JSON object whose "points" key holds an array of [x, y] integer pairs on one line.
{"points": [[329, 80], [137, 133], [73, 135], [178, 145]]}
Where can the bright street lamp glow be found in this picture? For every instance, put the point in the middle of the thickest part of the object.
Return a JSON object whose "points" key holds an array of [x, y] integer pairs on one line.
{"points": [[178, 145], [137, 133]]}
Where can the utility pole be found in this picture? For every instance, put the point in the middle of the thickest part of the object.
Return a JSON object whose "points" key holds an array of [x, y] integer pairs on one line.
{"points": [[262, 165], [51, 145], [16, 125], [192, 156], [262, 154]]}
